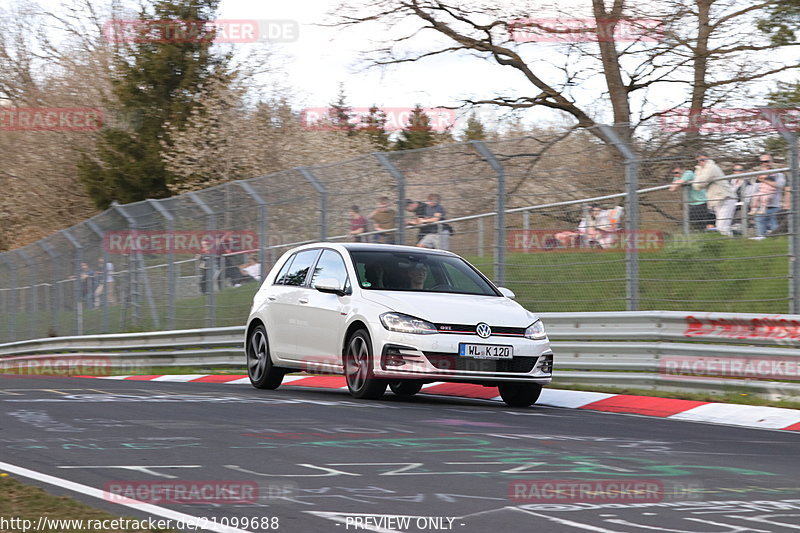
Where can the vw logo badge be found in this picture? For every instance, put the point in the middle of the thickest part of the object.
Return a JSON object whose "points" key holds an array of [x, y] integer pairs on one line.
{"points": [[483, 330]]}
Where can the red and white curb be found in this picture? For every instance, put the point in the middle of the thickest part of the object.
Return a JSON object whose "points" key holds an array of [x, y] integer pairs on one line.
{"points": [[751, 416]]}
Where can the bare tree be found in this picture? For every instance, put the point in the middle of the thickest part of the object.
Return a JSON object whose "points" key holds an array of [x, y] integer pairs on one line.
{"points": [[640, 60]]}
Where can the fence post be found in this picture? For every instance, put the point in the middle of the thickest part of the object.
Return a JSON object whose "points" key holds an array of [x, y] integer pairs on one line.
{"points": [[33, 306], [794, 216], [262, 225], [171, 272], [52, 286], [138, 266], [631, 213], [13, 299], [104, 296], [400, 179], [76, 290], [211, 225], [500, 234], [323, 200], [685, 201], [481, 231]]}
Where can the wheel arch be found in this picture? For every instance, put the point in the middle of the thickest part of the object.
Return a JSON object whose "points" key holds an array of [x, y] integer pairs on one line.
{"points": [[354, 326], [254, 323]]}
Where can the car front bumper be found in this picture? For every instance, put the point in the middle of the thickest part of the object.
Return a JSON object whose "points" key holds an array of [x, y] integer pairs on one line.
{"points": [[436, 358]]}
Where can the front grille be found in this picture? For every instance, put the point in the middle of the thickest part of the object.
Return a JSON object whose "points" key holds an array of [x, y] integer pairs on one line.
{"points": [[466, 329], [449, 361]]}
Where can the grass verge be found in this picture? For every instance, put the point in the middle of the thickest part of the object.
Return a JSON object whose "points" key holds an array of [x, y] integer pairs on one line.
{"points": [[26, 502]]}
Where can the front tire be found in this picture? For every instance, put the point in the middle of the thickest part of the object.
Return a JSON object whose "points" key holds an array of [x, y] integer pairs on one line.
{"points": [[520, 394], [358, 372], [262, 372], [405, 388]]}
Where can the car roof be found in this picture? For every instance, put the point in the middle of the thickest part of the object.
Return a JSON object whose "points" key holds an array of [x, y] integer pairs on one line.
{"points": [[373, 247]]}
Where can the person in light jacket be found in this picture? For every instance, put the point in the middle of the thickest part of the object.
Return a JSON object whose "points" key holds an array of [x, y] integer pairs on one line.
{"points": [[720, 195]]}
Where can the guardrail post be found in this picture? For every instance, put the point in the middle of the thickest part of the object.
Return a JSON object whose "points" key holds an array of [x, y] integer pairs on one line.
{"points": [[171, 270], [631, 213], [54, 302], [794, 216], [500, 233], [323, 200], [211, 225], [12, 298], [400, 179], [262, 225]]}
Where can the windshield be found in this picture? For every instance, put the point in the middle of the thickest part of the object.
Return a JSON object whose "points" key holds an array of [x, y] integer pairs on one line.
{"points": [[419, 272]]}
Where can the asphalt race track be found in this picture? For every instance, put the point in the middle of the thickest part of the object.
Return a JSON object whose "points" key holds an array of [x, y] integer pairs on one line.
{"points": [[300, 460]]}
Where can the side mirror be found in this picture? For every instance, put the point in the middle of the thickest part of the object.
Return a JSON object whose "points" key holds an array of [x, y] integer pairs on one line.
{"points": [[329, 285], [508, 293]]}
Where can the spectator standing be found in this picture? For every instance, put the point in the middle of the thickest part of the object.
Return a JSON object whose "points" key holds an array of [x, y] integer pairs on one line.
{"points": [[230, 261], [435, 235], [88, 280], [383, 218], [358, 224], [771, 187], [105, 282], [745, 189], [418, 210], [699, 217], [720, 196], [208, 263]]}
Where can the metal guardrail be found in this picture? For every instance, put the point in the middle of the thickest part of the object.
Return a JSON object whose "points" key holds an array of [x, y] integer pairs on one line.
{"points": [[620, 349]]}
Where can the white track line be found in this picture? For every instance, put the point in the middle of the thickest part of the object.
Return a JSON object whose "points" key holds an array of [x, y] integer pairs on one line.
{"points": [[108, 497]]}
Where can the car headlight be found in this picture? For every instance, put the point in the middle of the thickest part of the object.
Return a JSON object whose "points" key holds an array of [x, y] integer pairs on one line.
{"points": [[407, 324], [536, 331]]}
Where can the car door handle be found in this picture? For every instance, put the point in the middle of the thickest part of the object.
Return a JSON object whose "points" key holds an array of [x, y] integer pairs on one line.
{"points": [[272, 298], [303, 300]]}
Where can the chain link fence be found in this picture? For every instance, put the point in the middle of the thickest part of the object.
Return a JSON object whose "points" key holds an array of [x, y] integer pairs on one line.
{"points": [[569, 220]]}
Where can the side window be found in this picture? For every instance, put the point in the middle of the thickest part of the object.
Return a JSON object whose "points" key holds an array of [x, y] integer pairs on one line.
{"points": [[297, 272], [460, 281], [280, 279], [330, 265]]}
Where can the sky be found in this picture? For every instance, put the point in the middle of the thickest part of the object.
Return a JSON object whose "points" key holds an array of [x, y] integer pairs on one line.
{"points": [[322, 58]]}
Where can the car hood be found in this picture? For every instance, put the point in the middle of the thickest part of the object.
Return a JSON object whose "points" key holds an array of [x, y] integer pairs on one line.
{"points": [[443, 308]]}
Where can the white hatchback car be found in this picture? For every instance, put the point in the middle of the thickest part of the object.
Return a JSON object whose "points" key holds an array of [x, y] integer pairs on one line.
{"points": [[393, 315]]}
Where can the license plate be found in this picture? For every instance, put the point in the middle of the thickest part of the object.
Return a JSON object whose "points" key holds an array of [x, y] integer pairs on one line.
{"points": [[486, 351]]}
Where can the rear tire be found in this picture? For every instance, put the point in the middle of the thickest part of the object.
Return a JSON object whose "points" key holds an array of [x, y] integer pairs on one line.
{"points": [[520, 394], [358, 372], [262, 373], [405, 388]]}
